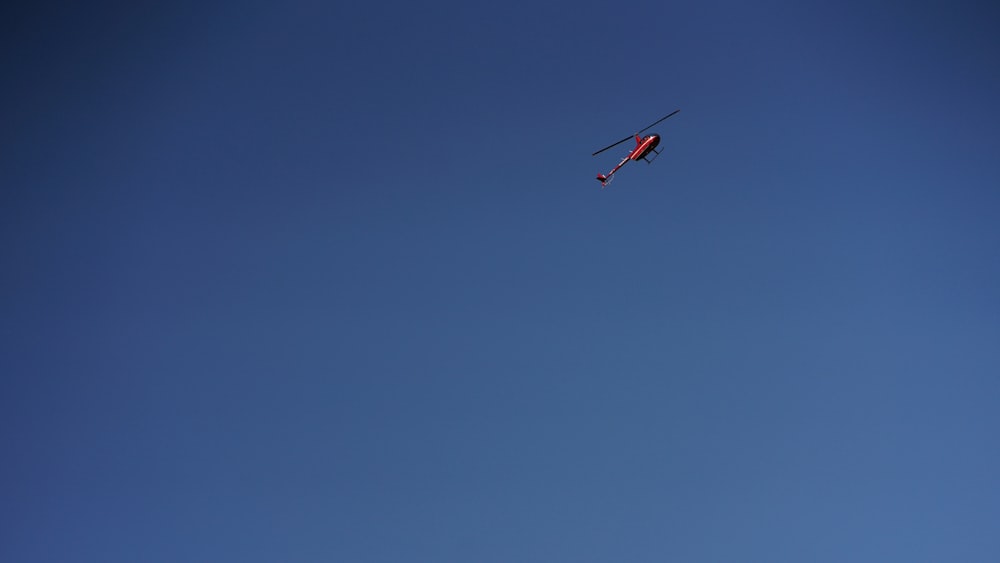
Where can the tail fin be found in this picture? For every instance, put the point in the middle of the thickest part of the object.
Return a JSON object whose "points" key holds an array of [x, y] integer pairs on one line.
{"points": [[603, 179]]}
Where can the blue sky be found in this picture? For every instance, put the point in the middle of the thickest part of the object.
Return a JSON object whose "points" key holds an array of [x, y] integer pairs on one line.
{"points": [[314, 282]]}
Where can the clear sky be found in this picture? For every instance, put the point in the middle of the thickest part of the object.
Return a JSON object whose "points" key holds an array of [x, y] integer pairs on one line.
{"points": [[314, 281]]}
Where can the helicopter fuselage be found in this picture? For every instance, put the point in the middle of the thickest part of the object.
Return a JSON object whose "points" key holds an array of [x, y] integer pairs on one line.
{"points": [[644, 146]]}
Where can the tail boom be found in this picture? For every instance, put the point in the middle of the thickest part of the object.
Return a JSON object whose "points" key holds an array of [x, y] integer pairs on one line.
{"points": [[605, 179]]}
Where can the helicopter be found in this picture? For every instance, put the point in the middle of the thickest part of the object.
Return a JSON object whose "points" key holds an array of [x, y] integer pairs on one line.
{"points": [[643, 146]]}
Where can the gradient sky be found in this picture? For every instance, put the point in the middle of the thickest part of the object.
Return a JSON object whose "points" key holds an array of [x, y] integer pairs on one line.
{"points": [[310, 281]]}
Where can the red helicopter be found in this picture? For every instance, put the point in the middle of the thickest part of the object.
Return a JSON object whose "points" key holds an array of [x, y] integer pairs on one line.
{"points": [[643, 146]]}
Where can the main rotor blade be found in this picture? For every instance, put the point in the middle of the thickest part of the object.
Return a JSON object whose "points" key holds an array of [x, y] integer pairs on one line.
{"points": [[661, 119], [612, 145]]}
